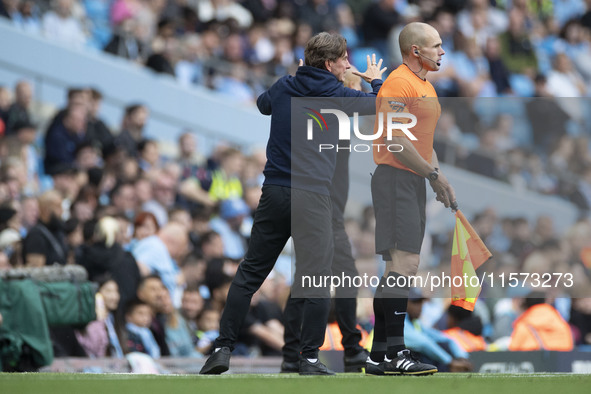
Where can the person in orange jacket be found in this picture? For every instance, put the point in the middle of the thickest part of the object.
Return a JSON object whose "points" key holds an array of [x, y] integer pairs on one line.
{"points": [[540, 327], [465, 329]]}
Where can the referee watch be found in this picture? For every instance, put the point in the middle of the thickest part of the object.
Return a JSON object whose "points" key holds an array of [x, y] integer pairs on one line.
{"points": [[433, 175]]}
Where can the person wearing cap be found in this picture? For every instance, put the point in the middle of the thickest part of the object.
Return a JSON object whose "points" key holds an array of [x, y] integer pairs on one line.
{"points": [[228, 224]]}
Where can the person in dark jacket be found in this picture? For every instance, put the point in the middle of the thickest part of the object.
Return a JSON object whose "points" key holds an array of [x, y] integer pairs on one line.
{"points": [[295, 202], [134, 120], [62, 140], [105, 255], [343, 263]]}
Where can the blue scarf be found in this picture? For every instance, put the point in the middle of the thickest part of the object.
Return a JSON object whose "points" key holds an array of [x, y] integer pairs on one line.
{"points": [[113, 339], [147, 339]]}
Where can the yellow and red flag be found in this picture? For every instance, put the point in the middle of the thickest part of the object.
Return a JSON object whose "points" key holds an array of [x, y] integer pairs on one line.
{"points": [[468, 253]]}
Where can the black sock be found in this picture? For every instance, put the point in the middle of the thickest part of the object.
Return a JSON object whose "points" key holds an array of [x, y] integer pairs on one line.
{"points": [[394, 302], [379, 344]]}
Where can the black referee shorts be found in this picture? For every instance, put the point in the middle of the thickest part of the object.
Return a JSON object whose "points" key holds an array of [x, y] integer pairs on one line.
{"points": [[399, 198]]}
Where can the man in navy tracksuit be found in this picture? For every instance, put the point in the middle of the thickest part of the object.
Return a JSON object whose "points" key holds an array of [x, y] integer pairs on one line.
{"points": [[295, 202]]}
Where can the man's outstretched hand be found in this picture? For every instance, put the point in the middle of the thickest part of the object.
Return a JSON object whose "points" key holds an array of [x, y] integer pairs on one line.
{"points": [[373, 69]]}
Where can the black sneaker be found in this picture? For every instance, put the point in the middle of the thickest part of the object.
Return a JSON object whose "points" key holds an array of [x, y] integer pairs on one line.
{"points": [[290, 366], [217, 363], [373, 368], [407, 364], [317, 368], [357, 362]]}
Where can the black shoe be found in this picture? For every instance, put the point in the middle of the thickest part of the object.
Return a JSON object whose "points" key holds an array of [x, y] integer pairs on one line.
{"points": [[357, 362], [407, 364], [373, 368], [290, 366], [217, 363], [317, 368]]}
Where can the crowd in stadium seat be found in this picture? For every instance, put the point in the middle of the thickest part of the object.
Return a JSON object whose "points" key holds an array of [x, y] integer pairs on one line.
{"points": [[113, 204], [239, 47]]}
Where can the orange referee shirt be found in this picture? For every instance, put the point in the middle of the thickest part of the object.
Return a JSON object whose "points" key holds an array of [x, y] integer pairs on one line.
{"points": [[403, 91]]}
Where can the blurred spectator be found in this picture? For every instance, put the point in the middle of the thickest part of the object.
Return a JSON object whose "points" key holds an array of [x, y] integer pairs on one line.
{"points": [[516, 48], [224, 11], [28, 18], [45, 242], [5, 103], [225, 183], [228, 225], [211, 245], [61, 26], [62, 140], [483, 160], [465, 329], [564, 80], [9, 8], [580, 320], [138, 317], [234, 84], [10, 239], [134, 120], [109, 292], [430, 342], [164, 48], [540, 327], [521, 244], [97, 131], [209, 326], [189, 158], [378, 19], [19, 111], [86, 156], [143, 190], [189, 68], [65, 182], [472, 71], [178, 335], [499, 73], [26, 134], [125, 42], [192, 305], [149, 157], [94, 338], [123, 198], [164, 194], [548, 118], [97, 12], [152, 292], [144, 225], [30, 214], [159, 253], [481, 21], [582, 194], [106, 256]]}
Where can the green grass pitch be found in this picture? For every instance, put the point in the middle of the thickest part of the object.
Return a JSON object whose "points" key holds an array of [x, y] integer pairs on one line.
{"points": [[50, 383]]}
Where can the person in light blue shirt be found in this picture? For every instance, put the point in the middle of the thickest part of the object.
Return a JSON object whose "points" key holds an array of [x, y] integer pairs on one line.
{"points": [[443, 351], [228, 224], [159, 254]]}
